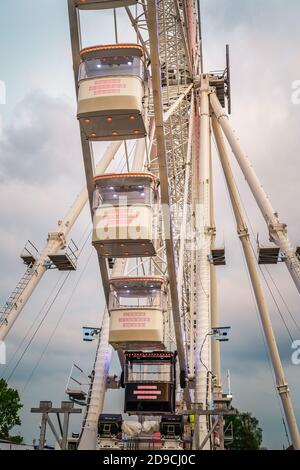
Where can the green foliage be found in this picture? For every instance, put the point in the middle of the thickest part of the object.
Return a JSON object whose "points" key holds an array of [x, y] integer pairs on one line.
{"points": [[10, 406], [247, 435]]}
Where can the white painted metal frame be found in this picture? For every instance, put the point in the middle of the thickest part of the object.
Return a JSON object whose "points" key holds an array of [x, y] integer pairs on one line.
{"points": [[277, 230], [281, 382]]}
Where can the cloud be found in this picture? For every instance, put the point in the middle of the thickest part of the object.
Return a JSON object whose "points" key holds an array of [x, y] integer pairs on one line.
{"points": [[41, 145], [41, 171]]}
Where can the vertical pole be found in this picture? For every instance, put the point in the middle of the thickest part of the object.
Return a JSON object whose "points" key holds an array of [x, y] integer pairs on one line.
{"points": [[203, 320], [116, 25], [64, 440], [215, 345], [282, 385], [43, 431]]}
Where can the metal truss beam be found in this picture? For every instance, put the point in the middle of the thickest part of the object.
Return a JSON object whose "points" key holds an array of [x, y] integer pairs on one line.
{"points": [[164, 177]]}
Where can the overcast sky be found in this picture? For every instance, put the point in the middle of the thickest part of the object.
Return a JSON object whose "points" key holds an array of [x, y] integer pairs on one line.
{"points": [[41, 172]]}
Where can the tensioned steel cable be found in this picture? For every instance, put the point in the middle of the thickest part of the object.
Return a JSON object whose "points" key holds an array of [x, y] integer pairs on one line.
{"points": [[31, 326], [264, 278], [58, 322], [44, 316], [39, 313], [283, 300], [39, 326]]}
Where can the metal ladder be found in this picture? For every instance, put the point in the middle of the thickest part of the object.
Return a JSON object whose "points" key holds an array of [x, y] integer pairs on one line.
{"points": [[15, 295]]}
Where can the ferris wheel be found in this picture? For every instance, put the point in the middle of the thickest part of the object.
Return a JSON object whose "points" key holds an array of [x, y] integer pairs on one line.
{"points": [[154, 230]]}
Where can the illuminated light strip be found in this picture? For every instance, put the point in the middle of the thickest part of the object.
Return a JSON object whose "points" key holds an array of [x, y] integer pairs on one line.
{"points": [[146, 397], [130, 321], [147, 387], [105, 86], [121, 218], [117, 222], [125, 175], [113, 46], [134, 314], [148, 393], [134, 320], [100, 82], [146, 278]]}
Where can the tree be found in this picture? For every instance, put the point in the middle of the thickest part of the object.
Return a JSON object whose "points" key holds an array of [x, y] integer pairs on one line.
{"points": [[247, 435], [10, 406]]}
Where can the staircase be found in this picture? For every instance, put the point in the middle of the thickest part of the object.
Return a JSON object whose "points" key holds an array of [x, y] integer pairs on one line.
{"points": [[15, 295]]}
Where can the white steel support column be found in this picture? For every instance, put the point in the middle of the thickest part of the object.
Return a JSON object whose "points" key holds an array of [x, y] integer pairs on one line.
{"points": [[277, 230], [88, 440], [215, 345], [282, 385], [56, 241], [203, 320]]}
